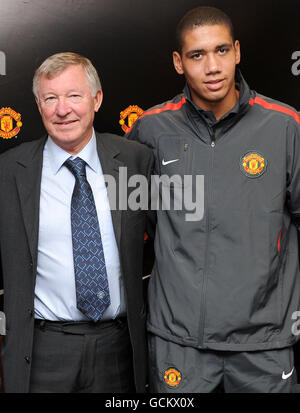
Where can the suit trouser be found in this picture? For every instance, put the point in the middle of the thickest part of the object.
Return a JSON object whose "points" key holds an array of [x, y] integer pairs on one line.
{"points": [[81, 357], [179, 369]]}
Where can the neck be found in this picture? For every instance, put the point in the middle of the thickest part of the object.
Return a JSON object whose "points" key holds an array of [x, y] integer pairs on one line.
{"points": [[72, 148], [219, 108]]}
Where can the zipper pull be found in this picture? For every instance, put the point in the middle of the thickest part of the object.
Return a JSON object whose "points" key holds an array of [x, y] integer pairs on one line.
{"points": [[186, 147], [213, 141]]}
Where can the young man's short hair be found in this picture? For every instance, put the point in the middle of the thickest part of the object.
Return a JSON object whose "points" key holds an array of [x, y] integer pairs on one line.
{"points": [[201, 16]]}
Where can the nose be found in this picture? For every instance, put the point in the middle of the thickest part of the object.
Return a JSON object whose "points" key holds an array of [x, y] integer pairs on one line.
{"points": [[62, 108], [212, 65]]}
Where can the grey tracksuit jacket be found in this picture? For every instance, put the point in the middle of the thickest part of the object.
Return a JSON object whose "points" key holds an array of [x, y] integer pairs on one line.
{"points": [[230, 281]]}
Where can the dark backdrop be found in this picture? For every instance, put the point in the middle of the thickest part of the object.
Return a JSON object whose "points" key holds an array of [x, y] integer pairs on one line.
{"points": [[131, 42]]}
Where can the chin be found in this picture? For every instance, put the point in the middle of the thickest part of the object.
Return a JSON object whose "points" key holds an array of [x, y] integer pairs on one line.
{"points": [[63, 141], [213, 100]]}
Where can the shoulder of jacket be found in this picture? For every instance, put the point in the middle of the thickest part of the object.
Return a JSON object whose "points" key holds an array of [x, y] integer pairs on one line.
{"points": [[170, 106], [275, 106], [21, 149], [121, 143]]}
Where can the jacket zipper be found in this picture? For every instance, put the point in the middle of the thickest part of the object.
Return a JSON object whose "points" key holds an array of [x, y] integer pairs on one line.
{"points": [[213, 141], [204, 284]]}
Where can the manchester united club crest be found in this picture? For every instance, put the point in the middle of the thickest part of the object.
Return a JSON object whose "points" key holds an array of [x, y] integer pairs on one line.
{"points": [[132, 113], [172, 377], [253, 165], [10, 123]]}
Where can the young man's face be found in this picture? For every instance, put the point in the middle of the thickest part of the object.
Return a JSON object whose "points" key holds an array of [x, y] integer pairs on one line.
{"points": [[208, 61]]}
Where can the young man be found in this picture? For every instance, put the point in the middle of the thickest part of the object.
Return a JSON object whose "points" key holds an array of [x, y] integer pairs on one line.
{"points": [[223, 289], [71, 261]]}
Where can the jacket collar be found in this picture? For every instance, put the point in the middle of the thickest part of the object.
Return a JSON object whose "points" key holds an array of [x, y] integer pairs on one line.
{"points": [[28, 174], [240, 108]]}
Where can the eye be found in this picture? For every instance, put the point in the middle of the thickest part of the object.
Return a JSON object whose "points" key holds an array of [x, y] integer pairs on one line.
{"points": [[197, 56], [223, 51], [75, 97], [49, 99]]}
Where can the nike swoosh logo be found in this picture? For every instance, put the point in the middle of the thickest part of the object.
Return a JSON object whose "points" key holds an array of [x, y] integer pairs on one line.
{"points": [[167, 163], [287, 376]]}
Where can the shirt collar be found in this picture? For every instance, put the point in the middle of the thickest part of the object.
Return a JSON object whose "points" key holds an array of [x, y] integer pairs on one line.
{"points": [[58, 156]]}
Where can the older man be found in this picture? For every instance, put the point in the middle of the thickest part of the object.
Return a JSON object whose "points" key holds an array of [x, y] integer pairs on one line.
{"points": [[71, 264]]}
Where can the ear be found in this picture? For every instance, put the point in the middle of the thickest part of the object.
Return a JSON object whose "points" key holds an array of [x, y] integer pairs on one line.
{"points": [[178, 63], [237, 49], [98, 100]]}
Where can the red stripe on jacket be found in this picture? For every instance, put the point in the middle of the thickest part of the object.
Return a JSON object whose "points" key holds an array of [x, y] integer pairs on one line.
{"points": [[168, 106], [273, 106]]}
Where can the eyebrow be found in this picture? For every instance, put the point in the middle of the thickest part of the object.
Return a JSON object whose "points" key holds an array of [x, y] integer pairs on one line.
{"points": [[51, 92], [221, 46]]}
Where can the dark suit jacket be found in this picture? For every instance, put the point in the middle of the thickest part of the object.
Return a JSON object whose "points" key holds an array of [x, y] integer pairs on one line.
{"points": [[20, 179]]}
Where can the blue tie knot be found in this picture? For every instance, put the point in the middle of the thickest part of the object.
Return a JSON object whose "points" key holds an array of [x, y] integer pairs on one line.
{"points": [[76, 166]]}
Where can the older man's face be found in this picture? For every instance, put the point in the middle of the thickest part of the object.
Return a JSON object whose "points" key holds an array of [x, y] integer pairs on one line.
{"points": [[68, 108]]}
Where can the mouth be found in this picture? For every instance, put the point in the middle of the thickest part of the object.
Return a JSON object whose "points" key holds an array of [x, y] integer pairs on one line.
{"points": [[66, 123], [215, 85]]}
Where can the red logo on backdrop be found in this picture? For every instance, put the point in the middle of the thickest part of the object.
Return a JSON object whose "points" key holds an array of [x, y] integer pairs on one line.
{"points": [[132, 113], [10, 123]]}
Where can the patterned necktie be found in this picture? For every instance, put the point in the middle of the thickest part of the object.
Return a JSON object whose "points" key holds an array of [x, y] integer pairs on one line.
{"points": [[92, 290]]}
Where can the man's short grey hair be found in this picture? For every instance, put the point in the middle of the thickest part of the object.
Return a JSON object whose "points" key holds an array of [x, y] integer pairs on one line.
{"points": [[58, 62]]}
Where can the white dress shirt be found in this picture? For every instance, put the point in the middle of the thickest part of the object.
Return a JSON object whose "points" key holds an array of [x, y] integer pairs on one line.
{"points": [[55, 293]]}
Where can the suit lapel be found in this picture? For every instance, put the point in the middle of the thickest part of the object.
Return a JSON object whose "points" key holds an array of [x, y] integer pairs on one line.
{"points": [[110, 166], [28, 181]]}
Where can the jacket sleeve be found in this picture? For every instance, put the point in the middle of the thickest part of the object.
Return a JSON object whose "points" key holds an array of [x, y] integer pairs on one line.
{"points": [[150, 225], [293, 171], [148, 260], [136, 135], [142, 132], [133, 134]]}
